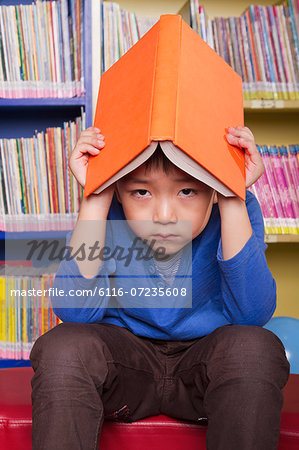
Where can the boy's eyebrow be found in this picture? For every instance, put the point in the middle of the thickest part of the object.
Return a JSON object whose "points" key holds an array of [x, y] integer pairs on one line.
{"points": [[184, 180], [138, 180]]}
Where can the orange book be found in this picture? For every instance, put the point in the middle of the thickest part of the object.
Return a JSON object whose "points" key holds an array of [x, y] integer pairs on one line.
{"points": [[170, 88]]}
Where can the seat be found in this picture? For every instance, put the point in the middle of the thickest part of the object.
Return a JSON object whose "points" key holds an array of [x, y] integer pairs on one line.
{"points": [[153, 433]]}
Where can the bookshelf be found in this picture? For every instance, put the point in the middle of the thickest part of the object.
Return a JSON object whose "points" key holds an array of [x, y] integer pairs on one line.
{"points": [[273, 122], [20, 117], [33, 107]]}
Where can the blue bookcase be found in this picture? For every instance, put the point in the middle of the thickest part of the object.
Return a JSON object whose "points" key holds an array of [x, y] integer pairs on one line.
{"points": [[21, 117]]}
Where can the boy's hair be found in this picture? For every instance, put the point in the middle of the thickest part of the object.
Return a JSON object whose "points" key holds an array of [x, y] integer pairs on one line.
{"points": [[158, 159]]}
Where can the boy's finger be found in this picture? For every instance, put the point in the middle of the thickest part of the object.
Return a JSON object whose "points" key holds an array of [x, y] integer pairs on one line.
{"points": [[243, 129], [91, 140], [93, 129], [91, 133], [240, 142], [87, 148], [241, 133], [248, 146], [248, 131], [99, 143], [233, 140]]}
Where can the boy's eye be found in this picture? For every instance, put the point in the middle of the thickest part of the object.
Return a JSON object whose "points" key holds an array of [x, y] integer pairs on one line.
{"points": [[140, 192], [188, 192]]}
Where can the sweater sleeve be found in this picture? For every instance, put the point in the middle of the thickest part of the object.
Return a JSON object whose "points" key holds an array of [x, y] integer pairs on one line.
{"points": [[248, 288], [76, 298]]}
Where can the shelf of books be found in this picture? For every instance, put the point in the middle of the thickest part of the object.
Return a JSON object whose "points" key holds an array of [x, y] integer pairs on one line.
{"points": [[51, 42], [45, 102]]}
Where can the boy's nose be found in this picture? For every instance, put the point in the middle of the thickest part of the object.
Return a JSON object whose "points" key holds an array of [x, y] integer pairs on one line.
{"points": [[164, 212]]}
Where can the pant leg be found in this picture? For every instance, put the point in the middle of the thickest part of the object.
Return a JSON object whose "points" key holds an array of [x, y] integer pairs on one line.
{"points": [[234, 377], [86, 371], [247, 370]]}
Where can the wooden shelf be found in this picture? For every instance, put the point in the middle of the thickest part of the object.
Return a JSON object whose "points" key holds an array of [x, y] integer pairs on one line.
{"points": [[274, 238], [268, 105]]}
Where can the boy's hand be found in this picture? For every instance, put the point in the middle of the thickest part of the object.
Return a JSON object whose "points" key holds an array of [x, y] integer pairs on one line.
{"points": [[90, 142], [243, 138]]}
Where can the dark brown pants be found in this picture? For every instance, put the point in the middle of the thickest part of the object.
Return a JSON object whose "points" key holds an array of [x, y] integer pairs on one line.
{"points": [[84, 372]]}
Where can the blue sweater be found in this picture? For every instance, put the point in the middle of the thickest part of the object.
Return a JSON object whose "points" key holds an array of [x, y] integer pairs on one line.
{"points": [[240, 290]]}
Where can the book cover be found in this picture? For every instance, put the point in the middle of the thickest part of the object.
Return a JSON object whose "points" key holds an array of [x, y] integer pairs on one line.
{"points": [[170, 86]]}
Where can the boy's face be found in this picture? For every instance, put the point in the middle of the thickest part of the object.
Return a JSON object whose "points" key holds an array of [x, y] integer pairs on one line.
{"points": [[158, 202]]}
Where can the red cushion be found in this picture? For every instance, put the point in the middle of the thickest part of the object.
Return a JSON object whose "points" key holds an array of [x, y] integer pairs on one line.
{"points": [[152, 433]]}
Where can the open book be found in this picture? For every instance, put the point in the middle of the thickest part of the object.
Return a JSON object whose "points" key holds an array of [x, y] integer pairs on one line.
{"points": [[171, 88], [179, 159]]}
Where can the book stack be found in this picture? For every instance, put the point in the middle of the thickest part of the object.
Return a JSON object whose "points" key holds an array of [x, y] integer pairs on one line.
{"points": [[277, 190], [41, 49], [120, 31], [37, 190], [261, 45], [24, 317]]}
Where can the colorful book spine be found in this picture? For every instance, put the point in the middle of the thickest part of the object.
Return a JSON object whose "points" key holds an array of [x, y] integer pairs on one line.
{"points": [[277, 189], [273, 186], [292, 190], [23, 318], [41, 49], [282, 188], [268, 44], [36, 183]]}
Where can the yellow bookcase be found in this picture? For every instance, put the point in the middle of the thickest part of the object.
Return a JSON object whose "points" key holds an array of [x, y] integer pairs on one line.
{"points": [[269, 123]]}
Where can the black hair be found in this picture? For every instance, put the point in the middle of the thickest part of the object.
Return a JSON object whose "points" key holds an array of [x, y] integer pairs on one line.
{"points": [[158, 159]]}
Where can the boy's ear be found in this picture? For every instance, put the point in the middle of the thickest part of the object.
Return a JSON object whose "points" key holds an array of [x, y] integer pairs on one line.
{"points": [[117, 193]]}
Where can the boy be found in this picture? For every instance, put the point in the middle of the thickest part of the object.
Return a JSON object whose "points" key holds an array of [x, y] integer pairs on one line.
{"points": [[213, 360]]}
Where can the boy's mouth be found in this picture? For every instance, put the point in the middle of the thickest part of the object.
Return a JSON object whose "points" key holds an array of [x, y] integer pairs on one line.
{"points": [[165, 236]]}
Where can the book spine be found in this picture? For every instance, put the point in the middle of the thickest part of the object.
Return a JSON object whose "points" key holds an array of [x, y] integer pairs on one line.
{"points": [[294, 167], [283, 152], [37, 172], [242, 54], [215, 36], [251, 51], [294, 25], [284, 20], [282, 50], [167, 68], [193, 16], [6, 40], [20, 52], [273, 187], [269, 51], [18, 192], [281, 85], [230, 45], [264, 53], [246, 54], [220, 37], [257, 191], [283, 190], [225, 40], [260, 60], [294, 48], [235, 47]]}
